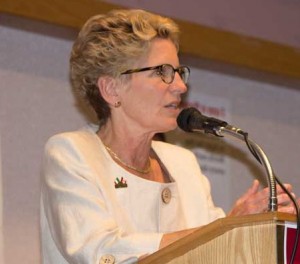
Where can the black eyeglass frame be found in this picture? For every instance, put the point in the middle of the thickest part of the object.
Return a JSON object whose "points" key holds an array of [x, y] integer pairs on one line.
{"points": [[181, 69]]}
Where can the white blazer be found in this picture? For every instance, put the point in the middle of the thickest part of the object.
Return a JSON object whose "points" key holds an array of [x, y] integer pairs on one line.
{"points": [[86, 220]]}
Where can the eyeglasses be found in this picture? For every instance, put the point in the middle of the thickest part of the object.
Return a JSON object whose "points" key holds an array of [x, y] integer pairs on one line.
{"points": [[166, 72]]}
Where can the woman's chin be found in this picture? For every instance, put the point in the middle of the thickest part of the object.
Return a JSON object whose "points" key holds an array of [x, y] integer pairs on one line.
{"points": [[169, 126]]}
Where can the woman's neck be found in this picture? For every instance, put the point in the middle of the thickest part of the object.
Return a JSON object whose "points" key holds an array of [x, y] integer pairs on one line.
{"points": [[133, 152], [132, 149]]}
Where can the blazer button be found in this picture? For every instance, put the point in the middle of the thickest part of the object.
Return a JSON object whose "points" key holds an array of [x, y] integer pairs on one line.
{"points": [[107, 259], [166, 195]]}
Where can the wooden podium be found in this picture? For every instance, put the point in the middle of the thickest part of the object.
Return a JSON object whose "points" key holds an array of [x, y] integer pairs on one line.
{"points": [[255, 239]]}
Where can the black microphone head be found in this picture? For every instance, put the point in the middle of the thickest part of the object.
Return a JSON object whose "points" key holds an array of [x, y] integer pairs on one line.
{"points": [[188, 117]]}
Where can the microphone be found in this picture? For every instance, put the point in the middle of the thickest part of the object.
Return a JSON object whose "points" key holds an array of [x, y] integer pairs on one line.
{"points": [[191, 120]]}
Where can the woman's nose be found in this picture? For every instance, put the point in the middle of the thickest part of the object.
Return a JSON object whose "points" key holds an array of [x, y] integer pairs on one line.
{"points": [[178, 84]]}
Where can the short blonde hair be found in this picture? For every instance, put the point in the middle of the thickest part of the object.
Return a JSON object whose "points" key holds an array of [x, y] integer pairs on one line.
{"points": [[109, 44]]}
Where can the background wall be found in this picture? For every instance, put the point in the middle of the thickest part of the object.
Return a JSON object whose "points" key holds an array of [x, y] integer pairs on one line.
{"points": [[1, 205], [36, 102], [274, 20]]}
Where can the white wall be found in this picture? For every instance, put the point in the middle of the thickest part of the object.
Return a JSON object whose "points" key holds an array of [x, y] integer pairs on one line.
{"points": [[1, 212], [36, 102], [274, 20]]}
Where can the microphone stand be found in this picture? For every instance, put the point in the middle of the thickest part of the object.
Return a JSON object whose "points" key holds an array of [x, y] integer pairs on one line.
{"points": [[238, 133], [262, 158], [191, 120], [219, 128]]}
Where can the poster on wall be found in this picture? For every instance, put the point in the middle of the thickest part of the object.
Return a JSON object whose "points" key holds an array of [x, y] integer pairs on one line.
{"points": [[210, 150]]}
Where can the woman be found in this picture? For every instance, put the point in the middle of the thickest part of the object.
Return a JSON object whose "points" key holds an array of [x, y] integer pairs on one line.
{"points": [[111, 194]]}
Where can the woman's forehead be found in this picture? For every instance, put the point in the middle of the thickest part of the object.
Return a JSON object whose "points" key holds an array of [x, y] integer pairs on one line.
{"points": [[161, 51]]}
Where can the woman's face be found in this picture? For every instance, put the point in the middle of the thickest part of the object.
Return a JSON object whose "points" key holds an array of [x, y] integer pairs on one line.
{"points": [[148, 103]]}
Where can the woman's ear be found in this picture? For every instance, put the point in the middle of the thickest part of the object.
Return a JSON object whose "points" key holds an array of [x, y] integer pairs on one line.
{"points": [[108, 89]]}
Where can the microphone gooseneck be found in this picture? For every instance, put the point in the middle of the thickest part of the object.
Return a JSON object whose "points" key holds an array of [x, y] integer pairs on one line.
{"points": [[191, 120]]}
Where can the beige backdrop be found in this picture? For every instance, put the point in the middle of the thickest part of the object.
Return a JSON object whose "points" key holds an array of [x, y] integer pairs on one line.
{"points": [[1, 206]]}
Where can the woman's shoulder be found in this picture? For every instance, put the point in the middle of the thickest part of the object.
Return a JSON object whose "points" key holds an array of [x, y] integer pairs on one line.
{"points": [[84, 135]]}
